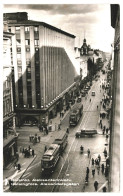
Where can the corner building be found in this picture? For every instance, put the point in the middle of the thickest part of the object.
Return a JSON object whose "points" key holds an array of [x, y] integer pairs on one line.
{"points": [[44, 68]]}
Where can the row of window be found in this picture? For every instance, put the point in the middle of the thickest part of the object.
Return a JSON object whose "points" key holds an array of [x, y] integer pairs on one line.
{"points": [[27, 42], [27, 29], [28, 62]]}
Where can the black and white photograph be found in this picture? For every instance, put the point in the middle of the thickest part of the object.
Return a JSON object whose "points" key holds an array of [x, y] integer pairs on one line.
{"points": [[60, 97]]}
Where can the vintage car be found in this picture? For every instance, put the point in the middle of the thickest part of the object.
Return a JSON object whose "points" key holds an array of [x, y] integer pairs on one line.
{"points": [[83, 133]]}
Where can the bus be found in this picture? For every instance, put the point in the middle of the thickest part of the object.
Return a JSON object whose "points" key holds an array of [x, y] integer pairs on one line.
{"points": [[62, 141], [50, 158]]}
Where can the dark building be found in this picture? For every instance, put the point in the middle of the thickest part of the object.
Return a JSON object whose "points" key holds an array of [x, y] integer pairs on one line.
{"points": [[114, 179], [9, 129]]}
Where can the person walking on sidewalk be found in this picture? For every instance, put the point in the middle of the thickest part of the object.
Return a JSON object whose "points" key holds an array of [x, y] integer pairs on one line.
{"points": [[88, 151], [19, 167], [104, 189], [96, 185], [102, 166], [33, 152], [39, 138], [92, 160], [87, 171], [10, 184], [93, 172]]}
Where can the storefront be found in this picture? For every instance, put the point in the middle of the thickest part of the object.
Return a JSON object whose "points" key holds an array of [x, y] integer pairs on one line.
{"points": [[9, 150]]}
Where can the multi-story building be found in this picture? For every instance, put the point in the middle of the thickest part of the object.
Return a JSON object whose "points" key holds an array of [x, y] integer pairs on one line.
{"points": [[44, 67], [9, 130], [114, 178]]}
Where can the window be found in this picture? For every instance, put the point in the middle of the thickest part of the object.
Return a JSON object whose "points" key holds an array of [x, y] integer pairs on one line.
{"points": [[18, 50], [36, 29], [19, 68], [27, 49], [18, 56], [18, 42], [19, 75], [36, 49], [28, 69], [19, 62], [36, 41], [27, 41], [28, 75], [26, 29], [28, 62], [17, 28]]}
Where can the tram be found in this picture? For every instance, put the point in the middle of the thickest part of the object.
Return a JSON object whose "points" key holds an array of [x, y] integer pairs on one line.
{"points": [[50, 158]]}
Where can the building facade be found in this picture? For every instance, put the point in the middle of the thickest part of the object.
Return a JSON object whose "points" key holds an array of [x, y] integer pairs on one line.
{"points": [[114, 179], [9, 129], [44, 66]]}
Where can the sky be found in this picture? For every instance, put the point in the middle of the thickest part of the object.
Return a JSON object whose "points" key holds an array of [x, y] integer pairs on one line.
{"points": [[91, 21]]}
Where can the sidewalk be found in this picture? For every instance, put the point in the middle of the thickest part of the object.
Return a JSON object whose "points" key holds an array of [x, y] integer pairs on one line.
{"points": [[14, 174]]}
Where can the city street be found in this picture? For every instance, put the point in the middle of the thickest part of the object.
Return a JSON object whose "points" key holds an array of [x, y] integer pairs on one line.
{"points": [[71, 168]]}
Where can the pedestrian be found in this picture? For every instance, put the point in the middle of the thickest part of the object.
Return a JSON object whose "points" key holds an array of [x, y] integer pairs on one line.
{"points": [[45, 148], [59, 128], [92, 161], [10, 184], [67, 130], [106, 136], [6, 181], [87, 171], [98, 169], [107, 162], [88, 151], [33, 152], [39, 138], [102, 166], [106, 130], [19, 167], [97, 107], [106, 171], [93, 172], [29, 147], [96, 185], [99, 157], [90, 100], [104, 189], [101, 126], [86, 179]]}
